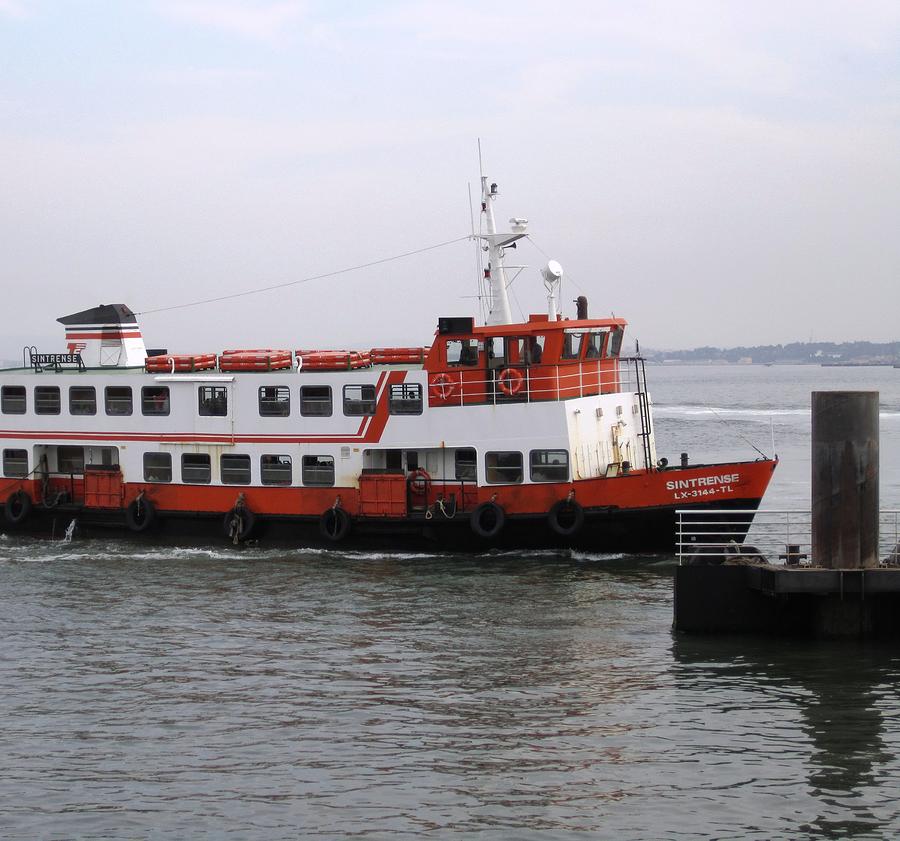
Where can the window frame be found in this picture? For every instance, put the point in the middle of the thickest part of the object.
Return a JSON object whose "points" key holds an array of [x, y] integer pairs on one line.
{"points": [[276, 401], [165, 466], [7, 459], [304, 402], [108, 402], [473, 464], [41, 393], [317, 468], [6, 399], [405, 405], [564, 466], [217, 392], [364, 403], [73, 401], [200, 456], [144, 398], [245, 459], [488, 468], [281, 463]]}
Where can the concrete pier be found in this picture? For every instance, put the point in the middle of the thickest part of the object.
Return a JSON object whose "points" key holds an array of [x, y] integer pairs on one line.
{"points": [[843, 592]]}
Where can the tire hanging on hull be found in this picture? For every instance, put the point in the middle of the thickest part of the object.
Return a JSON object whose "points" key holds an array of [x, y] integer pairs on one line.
{"points": [[566, 518], [488, 520], [140, 514], [238, 523], [17, 508], [334, 524]]}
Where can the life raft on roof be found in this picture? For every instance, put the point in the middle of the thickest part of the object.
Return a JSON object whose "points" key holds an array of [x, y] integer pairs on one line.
{"points": [[256, 360], [398, 355], [333, 360], [181, 363]]}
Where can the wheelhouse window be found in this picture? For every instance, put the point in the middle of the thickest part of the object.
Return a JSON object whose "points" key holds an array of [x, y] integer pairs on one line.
{"points": [[46, 400], [534, 349], [118, 400], [595, 344], [549, 466], [70, 460], [12, 400], [195, 468], [235, 469], [315, 401], [572, 345], [157, 467], [503, 468], [213, 401], [155, 400], [465, 465], [15, 463], [462, 351], [405, 399], [359, 400], [615, 341], [274, 401], [317, 470], [82, 400], [276, 470]]}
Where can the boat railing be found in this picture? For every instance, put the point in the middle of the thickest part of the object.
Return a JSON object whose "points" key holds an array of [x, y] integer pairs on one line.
{"points": [[779, 537]]}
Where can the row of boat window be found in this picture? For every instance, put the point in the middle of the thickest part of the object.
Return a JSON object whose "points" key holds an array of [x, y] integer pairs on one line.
{"points": [[501, 468], [212, 400]]}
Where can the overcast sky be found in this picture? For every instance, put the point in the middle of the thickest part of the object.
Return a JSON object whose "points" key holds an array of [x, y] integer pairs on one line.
{"points": [[717, 173]]}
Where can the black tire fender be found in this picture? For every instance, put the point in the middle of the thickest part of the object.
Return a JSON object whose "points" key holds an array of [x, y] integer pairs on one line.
{"points": [[334, 524], [238, 523], [566, 517], [488, 520], [140, 514], [17, 508]]}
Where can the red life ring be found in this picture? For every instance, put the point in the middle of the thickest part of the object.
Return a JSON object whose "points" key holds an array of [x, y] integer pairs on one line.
{"points": [[511, 381], [419, 481], [442, 386]]}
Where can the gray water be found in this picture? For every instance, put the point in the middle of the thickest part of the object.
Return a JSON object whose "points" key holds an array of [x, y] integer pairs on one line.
{"points": [[168, 693]]}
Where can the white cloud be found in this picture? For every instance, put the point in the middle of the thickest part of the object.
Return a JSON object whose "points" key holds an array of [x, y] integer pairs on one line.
{"points": [[13, 8]]}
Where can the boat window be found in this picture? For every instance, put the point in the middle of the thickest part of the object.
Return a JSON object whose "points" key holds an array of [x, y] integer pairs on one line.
{"points": [[315, 401], [572, 345], [195, 468], [549, 466], [82, 400], [157, 467], [46, 399], [318, 470], [503, 468], [213, 401], [534, 347], [405, 399], [235, 469], [118, 400], [359, 399], [462, 352], [70, 460], [15, 463], [276, 470], [595, 344], [12, 400], [155, 400], [274, 401], [615, 341], [465, 465]]}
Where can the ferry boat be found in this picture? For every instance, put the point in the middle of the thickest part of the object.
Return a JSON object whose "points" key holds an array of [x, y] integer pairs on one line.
{"points": [[534, 433]]}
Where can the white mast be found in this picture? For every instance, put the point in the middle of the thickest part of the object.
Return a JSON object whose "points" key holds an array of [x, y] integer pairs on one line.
{"points": [[495, 274]]}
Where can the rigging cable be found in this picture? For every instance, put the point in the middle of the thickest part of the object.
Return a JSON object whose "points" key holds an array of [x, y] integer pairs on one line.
{"points": [[740, 434], [304, 279]]}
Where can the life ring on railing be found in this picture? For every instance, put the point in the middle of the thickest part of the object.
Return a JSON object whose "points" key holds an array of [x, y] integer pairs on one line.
{"points": [[510, 381], [140, 514], [419, 480], [566, 517], [17, 508], [442, 386], [488, 520], [334, 524], [238, 523]]}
